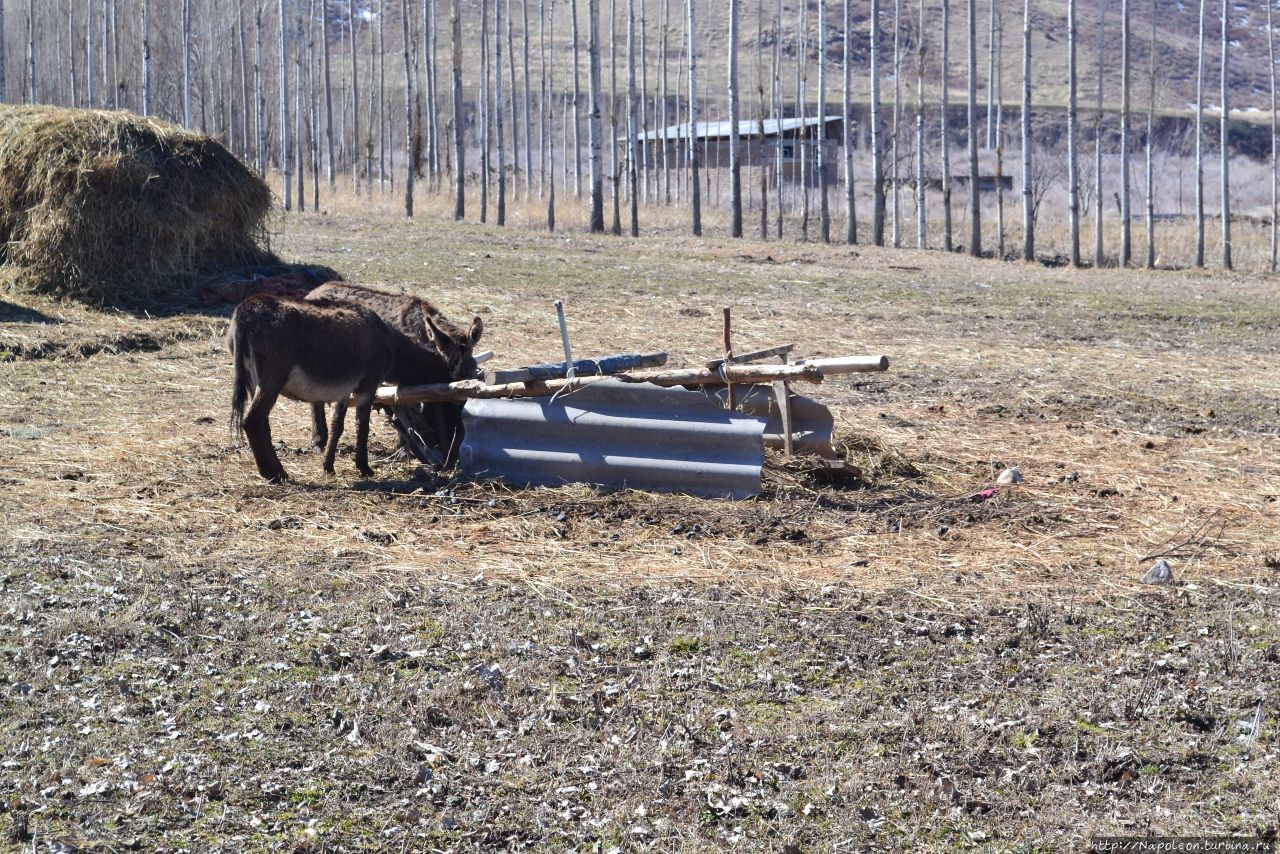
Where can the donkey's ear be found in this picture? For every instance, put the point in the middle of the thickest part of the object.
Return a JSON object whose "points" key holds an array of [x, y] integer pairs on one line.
{"points": [[477, 327], [438, 338]]}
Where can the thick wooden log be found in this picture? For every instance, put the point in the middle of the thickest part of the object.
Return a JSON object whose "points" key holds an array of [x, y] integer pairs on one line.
{"points": [[467, 389], [848, 365]]}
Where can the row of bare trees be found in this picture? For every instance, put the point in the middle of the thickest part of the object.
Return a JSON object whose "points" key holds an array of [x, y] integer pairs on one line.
{"points": [[208, 64]]}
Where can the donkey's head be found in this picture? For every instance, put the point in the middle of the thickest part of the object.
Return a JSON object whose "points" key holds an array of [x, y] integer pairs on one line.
{"points": [[455, 345]]}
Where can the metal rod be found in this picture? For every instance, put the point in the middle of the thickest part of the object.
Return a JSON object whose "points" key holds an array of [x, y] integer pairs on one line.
{"points": [[564, 339]]}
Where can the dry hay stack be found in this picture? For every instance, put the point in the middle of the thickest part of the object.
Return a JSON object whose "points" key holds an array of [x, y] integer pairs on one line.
{"points": [[113, 208]]}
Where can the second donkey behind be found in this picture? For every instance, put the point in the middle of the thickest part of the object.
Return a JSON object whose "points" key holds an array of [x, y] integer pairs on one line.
{"points": [[428, 347]]}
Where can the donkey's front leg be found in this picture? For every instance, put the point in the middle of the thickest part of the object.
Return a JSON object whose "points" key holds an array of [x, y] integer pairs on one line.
{"points": [[335, 432], [362, 438]]}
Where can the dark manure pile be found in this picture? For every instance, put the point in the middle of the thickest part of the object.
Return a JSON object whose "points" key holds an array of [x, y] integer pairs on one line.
{"points": [[112, 208]]}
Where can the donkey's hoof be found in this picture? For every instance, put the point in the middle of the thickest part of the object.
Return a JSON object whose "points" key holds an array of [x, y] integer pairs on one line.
{"points": [[365, 471], [328, 469], [279, 477]]}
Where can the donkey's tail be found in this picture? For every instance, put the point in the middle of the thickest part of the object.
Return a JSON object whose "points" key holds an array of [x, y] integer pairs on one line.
{"points": [[242, 387]]}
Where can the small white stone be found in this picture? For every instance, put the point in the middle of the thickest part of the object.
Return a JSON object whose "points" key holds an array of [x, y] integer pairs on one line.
{"points": [[1009, 476]]}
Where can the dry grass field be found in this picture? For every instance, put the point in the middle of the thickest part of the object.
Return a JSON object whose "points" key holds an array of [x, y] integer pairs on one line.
{"points": [[197, 660]]}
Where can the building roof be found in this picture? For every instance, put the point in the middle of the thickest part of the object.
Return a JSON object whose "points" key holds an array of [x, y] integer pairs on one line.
{"points": [[720, 130]]}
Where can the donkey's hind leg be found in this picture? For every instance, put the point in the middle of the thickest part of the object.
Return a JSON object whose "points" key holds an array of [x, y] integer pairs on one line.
{"points": [[335, 433], [319, 429], [257, 428]]}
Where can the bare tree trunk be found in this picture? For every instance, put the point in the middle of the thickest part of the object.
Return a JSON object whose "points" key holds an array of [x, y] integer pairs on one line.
{"points": [[577, 101], [549, 100], [824, 210], [408, 115], [1126, 243], [846, 108], [459, 149], [633, 164], [615, 171], [646, 162], [4, 94], [1073, 155], [260, 88], [663, 120], [760, 114], [485, 118], [74, 97], [313, 106], [1275, 155], [355, 96], [382, 94], [544, 104], [1028, 202], [802, 110], [897, 120], [245, 121], [497, 112], [777, 112], [146, 57], [88, 54], [975, 200], [1199, 259], [1098, 205], [991, 76], [1151, 137], [594, 124], [514, 104], [328, 94], [1000, 247], [945, 130], [299, 124], [186, 63], [735, 164], [696, 191], [429, 44], [877, 143], [117, 79], [286, 158], [528, 118], [1225, 136], [921, 221]]}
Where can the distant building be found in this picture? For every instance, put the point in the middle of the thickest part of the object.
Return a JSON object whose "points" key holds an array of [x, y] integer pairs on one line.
{"points": [[785, 142]]}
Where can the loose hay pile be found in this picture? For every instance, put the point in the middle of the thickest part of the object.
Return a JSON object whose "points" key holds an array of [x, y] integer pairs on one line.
{"points": [[113, 208]]}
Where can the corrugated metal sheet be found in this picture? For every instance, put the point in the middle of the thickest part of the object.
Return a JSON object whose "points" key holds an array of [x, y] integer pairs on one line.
{"points": [[613, 433], [812, 424]]}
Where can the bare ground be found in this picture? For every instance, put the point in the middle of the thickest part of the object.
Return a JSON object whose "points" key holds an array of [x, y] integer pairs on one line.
{"points": [[200, 660]]}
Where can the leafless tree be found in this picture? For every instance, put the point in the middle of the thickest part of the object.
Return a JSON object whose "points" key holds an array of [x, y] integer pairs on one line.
{"points": [[328, 94], [1199, 259], [577, 100], [146, 55], [408, 113], [528, 122], [1275, 156], [945, 131], [850, 203], [1028, 179], [632, 159], [497, 112], [975, 201], [735, 166], [615, 169], [1151, 133], [991, 76], [877, 143], [459, 149], [286, 155], [897, 118], [4, 94], [696, 191], [355, 98], [549, 102], [663, 120], [824, 210], [186, 63], [1225, 136], [595, 129], [1073, 159], [921, 222], [1000, 247], [1097, 142], [485, 118], [1126, 245]]}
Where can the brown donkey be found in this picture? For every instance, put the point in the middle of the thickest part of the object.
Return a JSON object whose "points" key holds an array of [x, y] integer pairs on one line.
{"points": [[429, 348], [318, 351]]}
